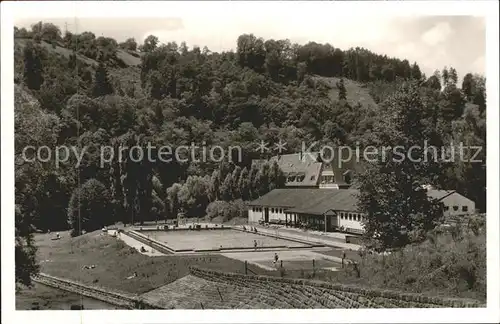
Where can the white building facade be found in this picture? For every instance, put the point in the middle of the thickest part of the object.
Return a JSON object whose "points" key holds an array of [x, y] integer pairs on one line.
{"points": [[333, 210]]}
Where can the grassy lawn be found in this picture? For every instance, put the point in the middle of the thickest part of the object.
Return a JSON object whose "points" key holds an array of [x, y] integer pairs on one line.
{"points": [[115, 261], [435, 267], [355, 91]]}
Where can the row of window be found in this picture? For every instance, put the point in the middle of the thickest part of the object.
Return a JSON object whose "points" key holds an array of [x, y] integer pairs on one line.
{"points": [[352, 216], [346, 216], [299, 178], [327, 179], [455, 208], [272, 210]]}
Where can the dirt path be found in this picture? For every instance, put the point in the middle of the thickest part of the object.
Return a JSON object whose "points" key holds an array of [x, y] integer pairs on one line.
{"points": [[259, 257]]}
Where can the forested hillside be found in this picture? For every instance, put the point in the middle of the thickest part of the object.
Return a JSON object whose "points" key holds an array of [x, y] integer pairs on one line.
{"points": [[86, 91]]}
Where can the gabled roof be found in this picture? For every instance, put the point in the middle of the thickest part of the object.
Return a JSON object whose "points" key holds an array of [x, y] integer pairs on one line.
{"points": [[310, 165], [291, 197], [309, 201], [342, 163], [319, 201], [340, 199], [306, 165], [439, 194]]}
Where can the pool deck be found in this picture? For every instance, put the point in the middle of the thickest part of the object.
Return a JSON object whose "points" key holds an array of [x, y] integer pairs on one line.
{"points": [[136, 244]]}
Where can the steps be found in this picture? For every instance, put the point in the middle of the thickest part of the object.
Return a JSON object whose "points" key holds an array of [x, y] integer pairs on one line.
{"points": [[204, 288]]}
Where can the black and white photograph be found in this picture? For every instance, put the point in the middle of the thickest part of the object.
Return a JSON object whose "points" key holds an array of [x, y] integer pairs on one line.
{"points": [[271, 157]]}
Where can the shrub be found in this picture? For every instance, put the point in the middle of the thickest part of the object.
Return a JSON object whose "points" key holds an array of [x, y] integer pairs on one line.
{"points": [[226, 210], [451, 263]]}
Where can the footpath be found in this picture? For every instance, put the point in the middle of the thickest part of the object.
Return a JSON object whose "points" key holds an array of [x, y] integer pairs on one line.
{"points": [[311, 237]]}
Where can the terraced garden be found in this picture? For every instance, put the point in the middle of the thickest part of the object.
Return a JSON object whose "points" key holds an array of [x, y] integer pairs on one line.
{"points": [[205, 289]]}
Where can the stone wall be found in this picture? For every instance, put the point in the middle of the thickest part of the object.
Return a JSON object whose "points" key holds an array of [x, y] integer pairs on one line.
{"points": [[99, 293], [316, 294]]}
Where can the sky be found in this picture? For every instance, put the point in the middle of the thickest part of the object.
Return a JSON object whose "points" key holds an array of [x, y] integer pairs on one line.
{"points": [[432, 41]]}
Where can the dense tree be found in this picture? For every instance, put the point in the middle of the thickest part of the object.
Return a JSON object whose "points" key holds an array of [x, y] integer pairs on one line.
{"points": [[150, 44], [445, 76], [226, 211], [50, 32], [173, 199], [106, 49], [21, 32], [90, 164], [254, 192], [34, 127], [251, 52], [468, 86], [474, 90], [415, 72], [452, 103], [37, 28], [215, 183], [89, 207], [433, 82], [261, 181], [453, 76], [276, 177], [226, 192], [470, 171], [391, 190], [342, 90], [25, 250], [235, 177], [144, 183], [102, 85], [129, 44], [193, 196], [267, 90], [115, 181], [244, 184], [33, 69]]}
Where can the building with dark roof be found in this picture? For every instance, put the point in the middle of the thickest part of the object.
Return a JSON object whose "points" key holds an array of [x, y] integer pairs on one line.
{"points": [[322, 209], [315, 170], [454, 204], [331, 210]]}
